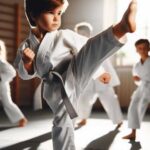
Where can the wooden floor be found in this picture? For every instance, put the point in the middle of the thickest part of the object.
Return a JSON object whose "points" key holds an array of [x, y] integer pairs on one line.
{"points": [[98, 134]]}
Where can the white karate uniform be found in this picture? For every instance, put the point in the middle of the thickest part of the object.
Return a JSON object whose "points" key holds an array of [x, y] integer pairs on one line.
{"points": [[2, 50], [141, 96], [53, 50], [37, 99], [104, 92], [7, 73]]}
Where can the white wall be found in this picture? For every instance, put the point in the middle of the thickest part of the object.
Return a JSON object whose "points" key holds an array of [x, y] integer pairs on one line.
{"points": [[84, 10]]}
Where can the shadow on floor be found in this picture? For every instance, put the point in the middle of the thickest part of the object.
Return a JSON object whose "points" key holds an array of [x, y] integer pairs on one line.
{"points": [[104, 142], [6, 127], [78, 127], [32, 144], [135, 145]]}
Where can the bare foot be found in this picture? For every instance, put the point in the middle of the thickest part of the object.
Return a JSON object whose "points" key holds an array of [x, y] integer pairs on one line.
{"points": [[130, 136], [127, 23], [119, 125], [82, 123], [22, 122], [128, 20]]}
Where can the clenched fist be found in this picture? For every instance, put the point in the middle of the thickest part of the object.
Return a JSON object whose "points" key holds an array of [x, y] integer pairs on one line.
{"points": [[105, 78], [136, 78], [28, 55]]}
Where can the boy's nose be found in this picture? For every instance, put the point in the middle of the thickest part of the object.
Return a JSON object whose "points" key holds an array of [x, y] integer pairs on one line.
{"points": [[56, 17]]}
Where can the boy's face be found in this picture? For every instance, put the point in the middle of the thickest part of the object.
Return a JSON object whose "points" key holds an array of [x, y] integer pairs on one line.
{"points": [[142, 49], [50, 20]]}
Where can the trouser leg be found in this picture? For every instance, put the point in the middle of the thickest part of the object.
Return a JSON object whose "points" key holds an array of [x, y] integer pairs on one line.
{"points": [[12, 110], [86, 62], [133, 113], [62, 131], [111, 105]]}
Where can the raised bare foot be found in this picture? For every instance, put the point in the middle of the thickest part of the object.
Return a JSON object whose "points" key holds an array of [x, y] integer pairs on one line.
{"points": [[127, 23], [128, 20]]}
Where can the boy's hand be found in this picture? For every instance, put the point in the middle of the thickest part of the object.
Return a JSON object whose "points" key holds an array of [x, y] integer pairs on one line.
{"points": [[28, 55], [105, 78], [136, 78]]}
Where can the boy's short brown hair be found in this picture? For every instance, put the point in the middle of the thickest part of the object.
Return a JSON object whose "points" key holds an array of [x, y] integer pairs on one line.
{"points": [[141, 41], [34, 8]]}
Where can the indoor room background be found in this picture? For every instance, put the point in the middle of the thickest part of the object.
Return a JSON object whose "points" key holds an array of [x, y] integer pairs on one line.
{"points": [[100, 14]]}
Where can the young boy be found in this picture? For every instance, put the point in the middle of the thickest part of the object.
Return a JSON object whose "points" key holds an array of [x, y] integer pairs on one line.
{"points": [[101, 86], [7, 73], [141, 96], [63, 62]]}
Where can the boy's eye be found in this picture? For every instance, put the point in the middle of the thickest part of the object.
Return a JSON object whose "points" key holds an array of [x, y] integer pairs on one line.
{"points": [[60, 13], [53, 13]]}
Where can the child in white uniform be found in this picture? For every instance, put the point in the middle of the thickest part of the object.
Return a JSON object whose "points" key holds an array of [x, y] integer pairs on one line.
{"points": [[7, 73], [102, 87], [63, 61], [141, 96]]}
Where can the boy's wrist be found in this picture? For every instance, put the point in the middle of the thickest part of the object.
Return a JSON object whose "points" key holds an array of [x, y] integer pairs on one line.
{"points": [[29, 67], [27, 61]]}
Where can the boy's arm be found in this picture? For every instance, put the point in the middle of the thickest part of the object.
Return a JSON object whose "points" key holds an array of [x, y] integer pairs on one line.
{"points": [[28, 58], [7, 72], [135, 75], [26, 71], [29, 67], [115, 81]]}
